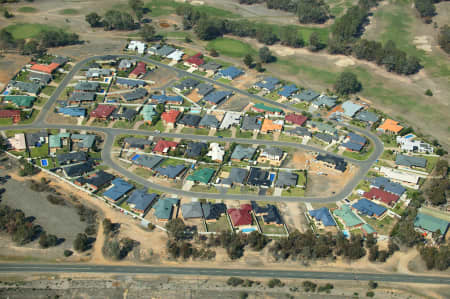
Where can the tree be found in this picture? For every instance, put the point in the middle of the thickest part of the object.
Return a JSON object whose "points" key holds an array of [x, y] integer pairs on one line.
{"points": [[112, 249], [107, 226], [248, 60], [265, 55], [176, 229], [373, 284], [94, 19], [347, 83], [259, 68], [148, 32], [138, 7], [7, 14], [429, 93], [444, 38], [6, 40], [314, 42], [214, 53], [81, 243], [425, 8], [311, 11]]}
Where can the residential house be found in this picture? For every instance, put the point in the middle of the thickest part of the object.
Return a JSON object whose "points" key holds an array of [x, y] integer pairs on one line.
{"points": [[262, 108], [322, 217], [87, 86], [164, 208], [138, 46], [213, 211], [230, 73], [148, 112], [298, 131], [241, 218], [271, 154], [429, 224], [390, 126], [21, 101], [96, 73], [171, 171], [354, 142], [186, 84], [147, 162], [170, 117], [286, 179], [36, 139], [324, 101], [230, 119], [369, 208], [45, 68], [202, 176], [210, 68], [217, 97], [367, 117], [192, 210], [347, 217], [119, 188], [17, 143], [95, 181], [270, 126], [137, 94], [81, 96], [237, 176], [267, 85], [136, 143], [204, 89], [350, 108], [129, 83], [102, 112], [26, 87], [72, 111], [140, 201], [269, 214], [176, 56], [386, 185], [77, 170], [322, 127], [196, 149], [163, 51], [58, 141], [409, 144], [385, 197], [139, 71], [209, 121], [242, 153], [83, 142], [126, 64], [410, 161], [71, 158], [306, 96], [287, 91], [332, 162], [296, 119], [406, 178], [194, 61], [190, 120], [258, 178], [164, 146], [216, 152], [327, 138], [40, 78], [251, 123], [164, 99]]}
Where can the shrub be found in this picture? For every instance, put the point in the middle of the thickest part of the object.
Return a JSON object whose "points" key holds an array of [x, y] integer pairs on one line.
{"points": [[275, 282], [373, 284], [67, 253], [234, 281], [309, 286], [370, 294], [81, 243], [90, 230], [325, 288], [429, 93]]}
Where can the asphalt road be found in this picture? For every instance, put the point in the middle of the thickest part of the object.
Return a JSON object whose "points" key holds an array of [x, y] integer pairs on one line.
{"points": [[111, 133], [331, 276]]}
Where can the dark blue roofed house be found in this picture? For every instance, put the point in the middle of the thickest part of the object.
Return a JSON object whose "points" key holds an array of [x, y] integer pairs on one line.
{"points": [[354, 142], [119, 189], [213, 211], [410, 161], [186, 84], [322, 217], [77, 170], [164, 99], [195, 149], [209, 121], [230, 73], [26, 87], [259, 178], [134, 95], [369, 208], [386, 185], [204, 89], [171, 171], [216, 97], [140, 201], [73, 111], [130, 83], [190, 120], [267, 84], [306, 96], [287, 91], [86, 86], [269, 213]]}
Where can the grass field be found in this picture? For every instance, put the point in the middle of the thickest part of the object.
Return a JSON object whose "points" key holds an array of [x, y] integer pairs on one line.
{"points": [[231, 47], [195, 131], [143, 172], [224, 133], [165, 7], [27, 9], [220, 225], [26, 30], [37, 152], [69, 11]]}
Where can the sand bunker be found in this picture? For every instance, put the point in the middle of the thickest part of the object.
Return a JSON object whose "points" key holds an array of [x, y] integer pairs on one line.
{"points": [[344, 62], [422, 43]]}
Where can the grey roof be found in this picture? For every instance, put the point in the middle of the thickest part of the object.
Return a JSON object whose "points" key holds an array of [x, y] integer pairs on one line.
{"points": [[350, 108], [339, 163], [79, 169], [86, 86], [386, 185], [237, 176], [326, 101], [164, 50], [211, 66], [258, 177], [217, 96], [130, 82], [86, 140], [307, 95], [137, 142], [26, 86], [367, 116], [272, 151], [148, 161], [286, 178], [141, 199], [410, 161], [209, 121], [136, 94], [99, 179], [190, 120], [188, 83], [82, 96], [194, 149], [35, 138], [299, 131], [74, 157], [129, 114], [251, 123], [170, 171], [242, 153], [204, 88], [126, 63], [192, 210], [324, 137], [269, 213], [94, 72], [43, 78]]}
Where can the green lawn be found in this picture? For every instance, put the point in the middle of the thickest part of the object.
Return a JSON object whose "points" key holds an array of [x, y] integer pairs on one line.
{"points": [[223, 80], [37, 152], [287, 138], [160, 8], [27, 30], [172, 162], [48, 90], [195, 131], [27, 9], [364, 155], [274, 96], [158, 126], [220, 225], [382, 227], [203, 188], [123, 124], [431, 162], [69, 11], [293, 192], [143, 172], [6, 121], [271, 228], [398, 208], [244, 134], [388, 155], [31, 118], [231, 47], [224, 133], [265, 136]]}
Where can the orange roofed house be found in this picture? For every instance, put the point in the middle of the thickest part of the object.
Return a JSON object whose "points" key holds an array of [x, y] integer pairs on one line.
{"points": [[170, 117], [269, 126], [390, 126], [45, 68]]}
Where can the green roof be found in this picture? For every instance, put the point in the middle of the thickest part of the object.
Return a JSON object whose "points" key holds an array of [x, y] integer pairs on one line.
{"points": [[203, 175], [164, 206], [54, 141], [267, 108], [430, 223], [21, 100], [148, 112], [346, 214]]}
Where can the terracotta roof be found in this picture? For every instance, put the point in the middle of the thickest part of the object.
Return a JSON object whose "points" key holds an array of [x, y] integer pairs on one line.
{"points": [[268, 125], [45, 68], [164, 145], [4, 113], [196, 59], [103, 111], [170, 116], [140, 69], [241, 216], [391, 126], [383, 196], [297, 119]]}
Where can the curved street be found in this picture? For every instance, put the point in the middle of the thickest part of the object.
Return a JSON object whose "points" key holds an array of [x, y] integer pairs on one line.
{"points": [[111, 133]]}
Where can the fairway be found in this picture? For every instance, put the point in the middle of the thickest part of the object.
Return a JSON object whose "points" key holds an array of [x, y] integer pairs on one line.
{"points": [[25, 30], [27, 9], [231, 47], [69, 11]]}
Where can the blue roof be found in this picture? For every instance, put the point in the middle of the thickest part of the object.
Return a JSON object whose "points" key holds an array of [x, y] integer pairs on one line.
{"points": [[171, 171], [269, 83], [355, 138], [217, 96], [162, 99], [288, 90], [350, 108], [141, 199], [369, 208], [323, 215], [231, 72], [119, 189], [385, 184], [73, 111], [352, 146]]}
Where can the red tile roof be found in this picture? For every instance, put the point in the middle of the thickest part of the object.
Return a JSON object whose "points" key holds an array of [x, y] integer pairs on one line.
{"points": [[103, 111], [170, 116], [381, 195], [297, 119], [196, 59], [5, 113], [45, 68], [241, 216], [164, 145], [140, 69]]}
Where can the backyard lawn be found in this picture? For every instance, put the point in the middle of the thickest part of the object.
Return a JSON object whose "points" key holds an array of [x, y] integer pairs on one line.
{"points": [[271, 228], [37, 152], [382, 227], [364, 155], [220, 225]]}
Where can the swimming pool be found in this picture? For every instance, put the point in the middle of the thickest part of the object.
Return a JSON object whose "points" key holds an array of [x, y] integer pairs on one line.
{"points": [[346, 233], [44, 162], [248, 230], [272, 177], [135, 158], [6, 93], [409, 136]]}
